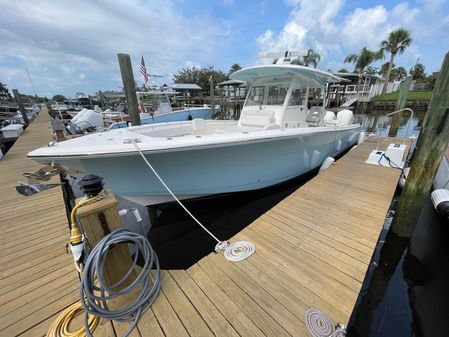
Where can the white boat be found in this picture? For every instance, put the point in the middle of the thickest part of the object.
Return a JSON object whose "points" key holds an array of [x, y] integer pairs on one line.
{"points": [[276, 139], [59, 107], [155, 108]]}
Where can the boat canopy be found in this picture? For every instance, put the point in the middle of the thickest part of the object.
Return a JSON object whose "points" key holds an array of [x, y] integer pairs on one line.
{"points": [[316, 77]]}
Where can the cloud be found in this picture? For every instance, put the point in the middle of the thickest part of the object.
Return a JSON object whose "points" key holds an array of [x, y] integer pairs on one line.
{"points": [[77, 41], [334, 31]]}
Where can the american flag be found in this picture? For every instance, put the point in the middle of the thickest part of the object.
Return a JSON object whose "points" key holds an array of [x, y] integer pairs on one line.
{"points": [[143, 70]]}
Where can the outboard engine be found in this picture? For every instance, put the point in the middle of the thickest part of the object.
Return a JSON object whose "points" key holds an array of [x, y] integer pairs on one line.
{"points": [[345, 117], [329, 116]]}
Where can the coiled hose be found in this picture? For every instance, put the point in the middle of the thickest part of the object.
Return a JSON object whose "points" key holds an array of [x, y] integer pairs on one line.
{"points": [[95, 293], [60, 327]]}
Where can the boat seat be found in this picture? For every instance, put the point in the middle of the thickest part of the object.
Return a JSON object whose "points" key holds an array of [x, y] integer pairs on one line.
{"points": [[259, 118], [272, 126], [199, 126], [315, 115]]}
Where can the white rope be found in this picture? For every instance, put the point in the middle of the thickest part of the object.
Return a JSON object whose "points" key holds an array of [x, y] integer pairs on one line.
{"points": [[318, 323], [239, 251], [220, 244]]}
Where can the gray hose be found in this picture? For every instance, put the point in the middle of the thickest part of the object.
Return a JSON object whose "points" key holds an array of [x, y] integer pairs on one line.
{"points": [[94, 299]]}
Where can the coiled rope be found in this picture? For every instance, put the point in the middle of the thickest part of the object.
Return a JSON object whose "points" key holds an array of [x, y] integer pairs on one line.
{"points": [[95, 293], [320, 325]]}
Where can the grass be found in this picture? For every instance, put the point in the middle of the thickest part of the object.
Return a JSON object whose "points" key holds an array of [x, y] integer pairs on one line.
{"points": [[412, 96]]}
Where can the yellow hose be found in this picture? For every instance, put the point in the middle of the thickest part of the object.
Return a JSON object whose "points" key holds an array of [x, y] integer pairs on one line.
{"points": [[75, 233], [60, 327]]}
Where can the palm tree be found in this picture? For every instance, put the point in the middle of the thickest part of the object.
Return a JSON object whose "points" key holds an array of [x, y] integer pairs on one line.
{"points": [[235, 67], [398, 74], [363, 59], [311, 58], [397, 42], [418, 71], [384, 68]]}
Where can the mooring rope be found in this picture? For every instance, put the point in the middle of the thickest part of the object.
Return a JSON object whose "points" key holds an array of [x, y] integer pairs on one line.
{"points": [[238, 251], [320, 325], [133, 141]]}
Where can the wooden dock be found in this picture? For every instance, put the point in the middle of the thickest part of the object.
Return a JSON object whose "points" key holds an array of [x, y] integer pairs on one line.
{"points": [[312, 250]]}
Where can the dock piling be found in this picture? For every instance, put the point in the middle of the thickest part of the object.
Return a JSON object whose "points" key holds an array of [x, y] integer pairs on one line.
{"points": [[129, 86], [21, 107], [400, 104], [212, 97], [432, 142]]}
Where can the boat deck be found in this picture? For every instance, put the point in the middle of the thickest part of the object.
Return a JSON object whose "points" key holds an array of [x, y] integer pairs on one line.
{"points": [[312, 250]]}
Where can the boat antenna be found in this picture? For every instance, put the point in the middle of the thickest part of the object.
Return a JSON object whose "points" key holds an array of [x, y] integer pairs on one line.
{"points": [[31, 83]]}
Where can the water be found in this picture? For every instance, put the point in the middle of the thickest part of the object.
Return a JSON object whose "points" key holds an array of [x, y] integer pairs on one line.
{"points": [[405, 292], [179, 241], [379, 125]]}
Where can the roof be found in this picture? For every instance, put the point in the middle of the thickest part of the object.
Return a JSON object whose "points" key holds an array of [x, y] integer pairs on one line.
{"points": [[231, 82], [318, 77], [184, 86]]}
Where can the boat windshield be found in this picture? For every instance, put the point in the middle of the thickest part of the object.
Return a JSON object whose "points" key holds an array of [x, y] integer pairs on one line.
{"points": [[255, 96], [269, 94]]}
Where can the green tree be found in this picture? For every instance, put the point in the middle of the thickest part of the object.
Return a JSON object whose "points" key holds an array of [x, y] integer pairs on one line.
{"points": [[418, 71], [4, 93], [343, 70], [312, 58], [187, 75], [363, 59], [371, 70], [396, 43], [235, 67], [200, 76], [59, 98], [384, 68], [398, 74], [297, 61], [205, 75]]}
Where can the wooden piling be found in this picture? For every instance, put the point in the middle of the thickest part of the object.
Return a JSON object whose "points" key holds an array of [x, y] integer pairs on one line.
{"points": [[400, 104], [129, 86], [21, 107], [212, 97], [432, 143]]}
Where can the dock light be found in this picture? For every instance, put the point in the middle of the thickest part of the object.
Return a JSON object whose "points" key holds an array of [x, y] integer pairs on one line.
{"points": [[394, 155]]}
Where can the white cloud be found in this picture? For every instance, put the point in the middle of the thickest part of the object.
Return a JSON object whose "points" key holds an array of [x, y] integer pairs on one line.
{"points": [[363, 27], [310, 25], [81, 39], [325, 27]]}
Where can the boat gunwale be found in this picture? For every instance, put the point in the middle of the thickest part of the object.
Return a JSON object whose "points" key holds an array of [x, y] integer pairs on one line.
{"points": [[201, 146]]}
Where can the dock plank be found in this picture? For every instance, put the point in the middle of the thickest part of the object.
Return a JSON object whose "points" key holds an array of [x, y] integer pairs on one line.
{"points": [[312, 250], [37, 280]]}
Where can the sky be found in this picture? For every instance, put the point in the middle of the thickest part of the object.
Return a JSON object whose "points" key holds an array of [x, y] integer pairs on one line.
{"points": [[71, 46]]}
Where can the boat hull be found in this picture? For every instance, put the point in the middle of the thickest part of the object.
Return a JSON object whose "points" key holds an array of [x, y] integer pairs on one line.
{"points": [[197, 172]]}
